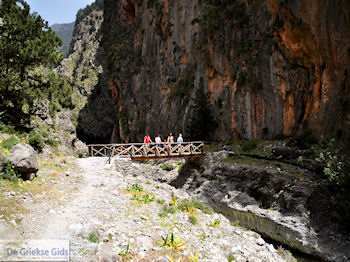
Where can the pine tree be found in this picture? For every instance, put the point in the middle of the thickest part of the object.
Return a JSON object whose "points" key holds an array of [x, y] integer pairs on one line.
{"points": [[26, 42], [202, 122]]}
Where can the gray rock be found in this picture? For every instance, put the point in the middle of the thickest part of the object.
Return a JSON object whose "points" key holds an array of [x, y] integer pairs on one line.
{"points": [[102, 253], [25, 160], [80, 148], [63, 121], [285, 152], [42, 109], [227, 148]]}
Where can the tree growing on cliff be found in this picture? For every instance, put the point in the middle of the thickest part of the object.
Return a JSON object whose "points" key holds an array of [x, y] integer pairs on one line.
{"points": [[26, 42], [202, 122]]}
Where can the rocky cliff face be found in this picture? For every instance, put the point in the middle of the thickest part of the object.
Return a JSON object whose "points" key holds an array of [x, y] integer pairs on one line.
{"points": [[94, 108], [270, 67], [65, 32]]}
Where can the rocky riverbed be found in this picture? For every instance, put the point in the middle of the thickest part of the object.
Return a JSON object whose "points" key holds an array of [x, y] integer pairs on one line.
{"points": [[125, 211]]}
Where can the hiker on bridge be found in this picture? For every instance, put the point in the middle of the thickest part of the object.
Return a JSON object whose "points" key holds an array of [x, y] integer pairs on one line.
{"points": [[158, 141], [179, 140], [170, 139], [147, 139]]}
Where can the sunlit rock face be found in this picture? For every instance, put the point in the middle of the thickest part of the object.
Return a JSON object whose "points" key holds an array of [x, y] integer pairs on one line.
{"points": [[270, 67]]}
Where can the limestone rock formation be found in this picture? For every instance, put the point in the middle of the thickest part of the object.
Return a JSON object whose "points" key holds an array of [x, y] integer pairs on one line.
{"points": [[287, 204], [63, 121], [94, 108], [270, 67], [25, 160]]}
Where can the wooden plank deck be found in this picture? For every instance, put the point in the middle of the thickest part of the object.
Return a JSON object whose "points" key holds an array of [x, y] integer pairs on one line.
{"points": [[140, 151]]}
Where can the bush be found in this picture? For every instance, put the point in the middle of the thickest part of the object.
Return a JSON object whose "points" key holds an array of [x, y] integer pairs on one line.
{"points": [[93, 238], [36, 141], [9, 142], [9, 172], [249, 145]]}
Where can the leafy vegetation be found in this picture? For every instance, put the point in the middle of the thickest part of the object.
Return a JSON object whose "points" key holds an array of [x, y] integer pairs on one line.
{"points": [[219, 12], [215, 223], [93, 238], [249, 145], [9, 142], [172, 242], [9, 172], [167, 167], [144, 198], [135, 187], [26, 44]]}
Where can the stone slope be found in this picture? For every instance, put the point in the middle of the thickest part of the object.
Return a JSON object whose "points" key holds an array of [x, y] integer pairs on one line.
{"points": [[270, 67], [285, 203], [95, 198]]}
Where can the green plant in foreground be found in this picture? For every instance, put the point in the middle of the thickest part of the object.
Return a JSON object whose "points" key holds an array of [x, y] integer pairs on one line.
{"points": [[195, 257], [215, 223], [144, 198], [193, 219], [172, 242], [160, 201], [125, 254], [10, 173], [231, 258], [135, 187], [173, 200], [93, 238]]}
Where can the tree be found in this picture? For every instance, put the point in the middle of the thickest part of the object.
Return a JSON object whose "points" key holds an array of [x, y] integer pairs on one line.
{"points": [[202, 122], [26, 42]]}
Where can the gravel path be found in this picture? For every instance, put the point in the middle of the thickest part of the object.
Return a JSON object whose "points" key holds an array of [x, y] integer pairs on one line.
{"points": [[105, 220]]}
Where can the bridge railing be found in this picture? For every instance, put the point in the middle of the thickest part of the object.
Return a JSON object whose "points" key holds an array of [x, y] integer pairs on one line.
{"points": [[151, 150]]}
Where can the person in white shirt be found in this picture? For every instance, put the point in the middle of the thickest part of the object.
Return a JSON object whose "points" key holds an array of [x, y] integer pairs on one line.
{"points": [[158, 140]]}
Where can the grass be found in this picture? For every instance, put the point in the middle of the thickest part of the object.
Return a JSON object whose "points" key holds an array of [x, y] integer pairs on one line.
{"points": [[9, 142], [167, 167], [193, 219], [12, 206]]}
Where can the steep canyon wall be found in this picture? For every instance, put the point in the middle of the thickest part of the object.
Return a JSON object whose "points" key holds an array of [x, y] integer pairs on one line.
{"points": [[270, 67]]}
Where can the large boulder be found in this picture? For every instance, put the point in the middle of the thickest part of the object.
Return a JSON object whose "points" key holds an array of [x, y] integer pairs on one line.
{"points": [[24, 159], [63, 122]]}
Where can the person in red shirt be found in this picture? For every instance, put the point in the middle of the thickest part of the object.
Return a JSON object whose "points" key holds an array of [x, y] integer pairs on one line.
{"points": [[147, 139]]}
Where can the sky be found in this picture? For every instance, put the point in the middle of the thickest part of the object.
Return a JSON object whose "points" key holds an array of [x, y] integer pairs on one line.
{"points": [[58, 11]]}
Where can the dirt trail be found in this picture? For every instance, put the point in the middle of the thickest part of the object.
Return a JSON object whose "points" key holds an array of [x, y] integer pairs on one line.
{"points": [[92, 174], [94, 199]]}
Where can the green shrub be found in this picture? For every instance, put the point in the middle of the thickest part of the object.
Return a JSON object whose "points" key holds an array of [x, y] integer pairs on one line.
{"points": [[93, 238], [36, 141], [9, 142], [249, 145], [9, 172]]}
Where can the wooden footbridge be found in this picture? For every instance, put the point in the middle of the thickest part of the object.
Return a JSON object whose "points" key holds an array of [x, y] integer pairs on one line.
{"points": [[140, 151]]}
